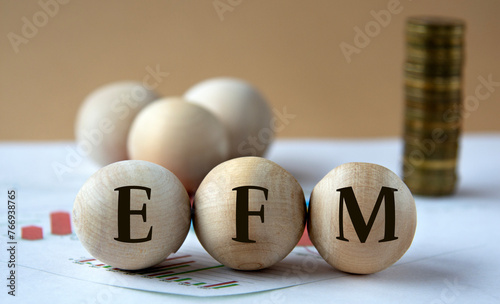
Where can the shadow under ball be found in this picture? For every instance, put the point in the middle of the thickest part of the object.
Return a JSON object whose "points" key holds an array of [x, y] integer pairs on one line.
{"points": [[100, 222], [268, 227], [362, 218]]}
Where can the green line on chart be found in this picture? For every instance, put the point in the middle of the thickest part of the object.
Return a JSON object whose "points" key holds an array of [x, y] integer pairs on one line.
{"points": [[189, 271], [225, 286]]}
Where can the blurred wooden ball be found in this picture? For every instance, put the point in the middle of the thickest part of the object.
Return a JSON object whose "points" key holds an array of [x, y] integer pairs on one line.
{"points": [[166, 214], [104, 118], [242, 109], [183, 137], [268, 228], [362, 218]]}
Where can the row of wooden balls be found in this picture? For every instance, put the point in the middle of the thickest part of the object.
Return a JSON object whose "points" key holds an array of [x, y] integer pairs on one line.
{"points": [[248, 213], [215, 120]]}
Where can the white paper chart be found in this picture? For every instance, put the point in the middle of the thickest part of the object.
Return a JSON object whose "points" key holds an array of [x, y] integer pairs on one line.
{"points": [[190, 271]]}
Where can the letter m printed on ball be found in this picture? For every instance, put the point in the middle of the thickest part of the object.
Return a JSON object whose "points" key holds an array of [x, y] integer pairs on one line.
{"points": [[353, 212], [360, 226]]}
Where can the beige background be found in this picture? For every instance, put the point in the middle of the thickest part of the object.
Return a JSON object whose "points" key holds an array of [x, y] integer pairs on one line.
{"points": [[289, 49]]}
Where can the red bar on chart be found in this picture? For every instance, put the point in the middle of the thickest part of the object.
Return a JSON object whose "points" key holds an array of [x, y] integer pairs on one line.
{"points": [[31, 233], [87, 260], [60, 223], [172, 278]]}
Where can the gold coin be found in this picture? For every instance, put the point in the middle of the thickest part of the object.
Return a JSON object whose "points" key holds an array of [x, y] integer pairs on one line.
{"points": [[426, 126], [432, 164], [429, 179], [417, 40], [434, 84], [452, 106], [435, 26], [433, 79], [434, 175], [418, 188], [430, 151], [438, 135], [423, 70], [434, 181], [445, 115], [438, 140], [432, 96]]}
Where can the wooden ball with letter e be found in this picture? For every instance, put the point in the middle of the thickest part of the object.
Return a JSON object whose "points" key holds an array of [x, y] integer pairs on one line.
{"points": [[362, 218], [249, 213], [132, 214]]}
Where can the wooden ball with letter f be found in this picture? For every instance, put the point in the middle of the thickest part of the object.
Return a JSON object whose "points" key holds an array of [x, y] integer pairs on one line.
{"points": [[249, 213]]}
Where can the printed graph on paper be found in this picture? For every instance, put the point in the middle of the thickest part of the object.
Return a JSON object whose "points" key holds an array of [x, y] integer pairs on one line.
{"points": [[190, 271], [181, 269]]}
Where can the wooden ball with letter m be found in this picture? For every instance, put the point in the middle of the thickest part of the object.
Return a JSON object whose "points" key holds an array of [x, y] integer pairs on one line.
{"points": [[362, 218]]}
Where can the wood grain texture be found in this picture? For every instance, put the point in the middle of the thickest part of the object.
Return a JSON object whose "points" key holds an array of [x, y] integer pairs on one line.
{"points": [[366, 181], [215, 213], [183, 137], [104, 119], [95, 214]]}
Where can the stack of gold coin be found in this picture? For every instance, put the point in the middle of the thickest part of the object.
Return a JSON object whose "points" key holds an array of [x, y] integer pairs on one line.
{"points": [[433, 97]]}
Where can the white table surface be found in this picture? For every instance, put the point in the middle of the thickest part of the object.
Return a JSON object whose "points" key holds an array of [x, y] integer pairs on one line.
{"points": [[454, 258]]}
